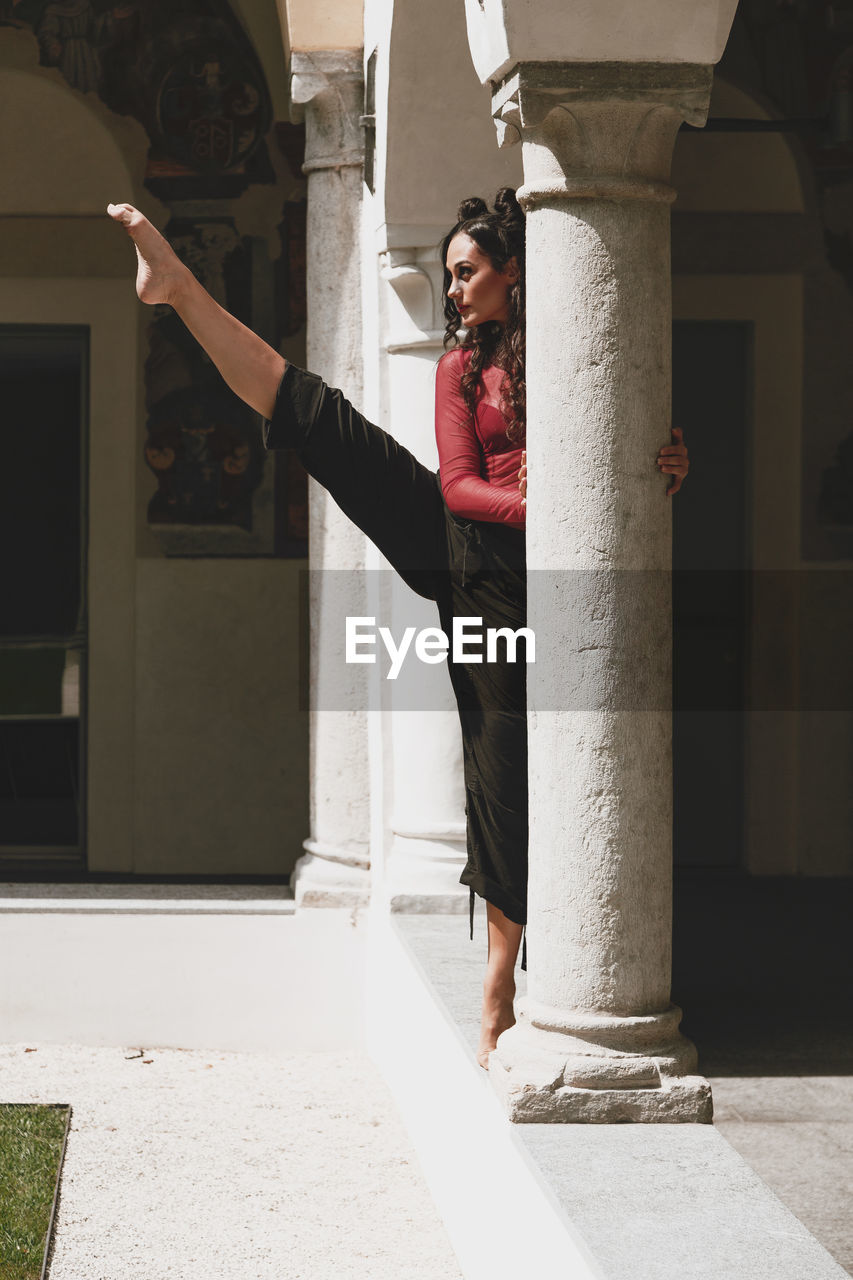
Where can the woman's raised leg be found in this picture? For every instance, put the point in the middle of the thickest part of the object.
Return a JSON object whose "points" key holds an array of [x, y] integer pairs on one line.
{"points": [[499, 983], [252, 369], [390, 495], [376, 482]]}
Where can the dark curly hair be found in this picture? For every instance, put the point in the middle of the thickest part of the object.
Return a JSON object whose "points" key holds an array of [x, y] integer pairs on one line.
{"points": [[500, 235]]}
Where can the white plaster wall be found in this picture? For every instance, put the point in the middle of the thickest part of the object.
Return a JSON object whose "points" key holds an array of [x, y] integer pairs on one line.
{"points": [[221, 742], [233, 978], [440, 144], [428, 157]]}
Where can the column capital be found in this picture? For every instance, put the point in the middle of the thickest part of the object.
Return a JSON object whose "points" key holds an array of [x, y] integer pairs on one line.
{"points": [[330, 83], [598, 130]]}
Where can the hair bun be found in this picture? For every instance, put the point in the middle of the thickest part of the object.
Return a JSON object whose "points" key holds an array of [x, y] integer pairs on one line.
{"points": [[473, 207], [507, 206]]}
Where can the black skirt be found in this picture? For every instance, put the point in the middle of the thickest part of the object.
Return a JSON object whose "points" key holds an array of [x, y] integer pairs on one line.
{"points": [[471, 569]]}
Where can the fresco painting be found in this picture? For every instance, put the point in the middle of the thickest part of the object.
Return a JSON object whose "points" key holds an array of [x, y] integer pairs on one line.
{"points": [[187, 71]]}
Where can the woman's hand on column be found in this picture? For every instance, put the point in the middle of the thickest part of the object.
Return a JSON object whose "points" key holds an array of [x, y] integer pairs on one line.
{"points": [[522, 478], [672, 460]]}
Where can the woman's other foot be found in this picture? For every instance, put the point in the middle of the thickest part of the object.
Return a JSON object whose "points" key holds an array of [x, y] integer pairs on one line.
{"points": [[161, 276], [499, 984], [498, 1016]]}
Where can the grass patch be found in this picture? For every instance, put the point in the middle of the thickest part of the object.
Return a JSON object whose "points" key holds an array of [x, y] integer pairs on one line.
{"points": [[31, 1145]]}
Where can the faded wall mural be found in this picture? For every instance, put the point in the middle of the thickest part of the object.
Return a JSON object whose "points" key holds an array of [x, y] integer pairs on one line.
{"points": [[188, 72]]}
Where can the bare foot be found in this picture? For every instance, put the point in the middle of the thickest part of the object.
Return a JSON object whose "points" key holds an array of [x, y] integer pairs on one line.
{"points": [[161, 276], [498, 1016]]}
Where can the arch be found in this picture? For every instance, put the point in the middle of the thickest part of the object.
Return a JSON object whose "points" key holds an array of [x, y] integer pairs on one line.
{"points": [[715, 172], [69, 159]]}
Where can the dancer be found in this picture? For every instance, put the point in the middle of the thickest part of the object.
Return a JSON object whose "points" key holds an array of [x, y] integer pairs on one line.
{"points": [[456, 538]]}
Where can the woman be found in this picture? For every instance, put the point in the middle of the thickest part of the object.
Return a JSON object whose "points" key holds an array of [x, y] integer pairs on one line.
{"points": [[458, 541]]}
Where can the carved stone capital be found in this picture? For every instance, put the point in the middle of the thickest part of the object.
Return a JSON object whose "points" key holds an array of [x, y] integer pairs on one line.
{"points": [[598, 131], [327, 91], [413, 306]]}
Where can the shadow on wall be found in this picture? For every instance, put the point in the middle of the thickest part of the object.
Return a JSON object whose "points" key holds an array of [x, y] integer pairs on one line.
{"points": [[762, 968]]}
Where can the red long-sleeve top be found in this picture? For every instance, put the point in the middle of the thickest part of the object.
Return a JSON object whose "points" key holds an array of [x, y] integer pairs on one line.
{"points": [[478, 463]]}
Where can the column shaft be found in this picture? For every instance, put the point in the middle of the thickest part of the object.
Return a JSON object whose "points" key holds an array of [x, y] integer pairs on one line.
{"points": [[335, 870], [599, 531], [598, 1038]]}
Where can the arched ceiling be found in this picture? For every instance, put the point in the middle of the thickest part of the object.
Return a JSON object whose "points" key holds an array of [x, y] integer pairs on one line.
{"points": [[267, 31], [82, 158], [738, 172]]}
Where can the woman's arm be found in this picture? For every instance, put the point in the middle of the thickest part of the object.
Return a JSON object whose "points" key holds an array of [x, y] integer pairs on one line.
{"points": [[252, 369], [465, 491]]}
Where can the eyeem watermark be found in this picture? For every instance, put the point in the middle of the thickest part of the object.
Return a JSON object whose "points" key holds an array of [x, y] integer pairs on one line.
{"points": [[432, 645]]}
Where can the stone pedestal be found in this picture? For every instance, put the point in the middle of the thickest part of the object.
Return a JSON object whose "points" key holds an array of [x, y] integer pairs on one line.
{"points": [[328, 86], [598, 1039]]}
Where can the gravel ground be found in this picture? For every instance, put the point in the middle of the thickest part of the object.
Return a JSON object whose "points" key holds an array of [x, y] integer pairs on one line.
{"points": [[226, 1166]]}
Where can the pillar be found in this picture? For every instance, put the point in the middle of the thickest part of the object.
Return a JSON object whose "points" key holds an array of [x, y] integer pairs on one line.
{"points": [[427, 846], [598, 1038], [328, 86]]}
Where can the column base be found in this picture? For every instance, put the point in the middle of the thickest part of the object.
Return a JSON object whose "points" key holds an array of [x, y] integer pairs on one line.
{"points": [[684, 1100], [430, 904], [585, 1071], [320, 882], [422, 875]]}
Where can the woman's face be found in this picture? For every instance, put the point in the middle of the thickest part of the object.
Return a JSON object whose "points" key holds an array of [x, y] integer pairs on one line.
{"points": [[479, 292]]}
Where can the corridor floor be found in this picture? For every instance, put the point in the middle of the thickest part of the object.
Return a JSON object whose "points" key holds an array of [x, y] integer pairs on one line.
{"points": [[796, 1132], [781, 1072]]}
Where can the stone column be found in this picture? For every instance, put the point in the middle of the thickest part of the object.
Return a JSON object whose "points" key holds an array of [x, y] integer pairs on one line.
{"points": [[427, 821], [598, 1038], [328, 86]]}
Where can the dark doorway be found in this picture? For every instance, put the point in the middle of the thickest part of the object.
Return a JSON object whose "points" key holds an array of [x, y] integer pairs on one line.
{"points": [[43, 621], [711, 390]]}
